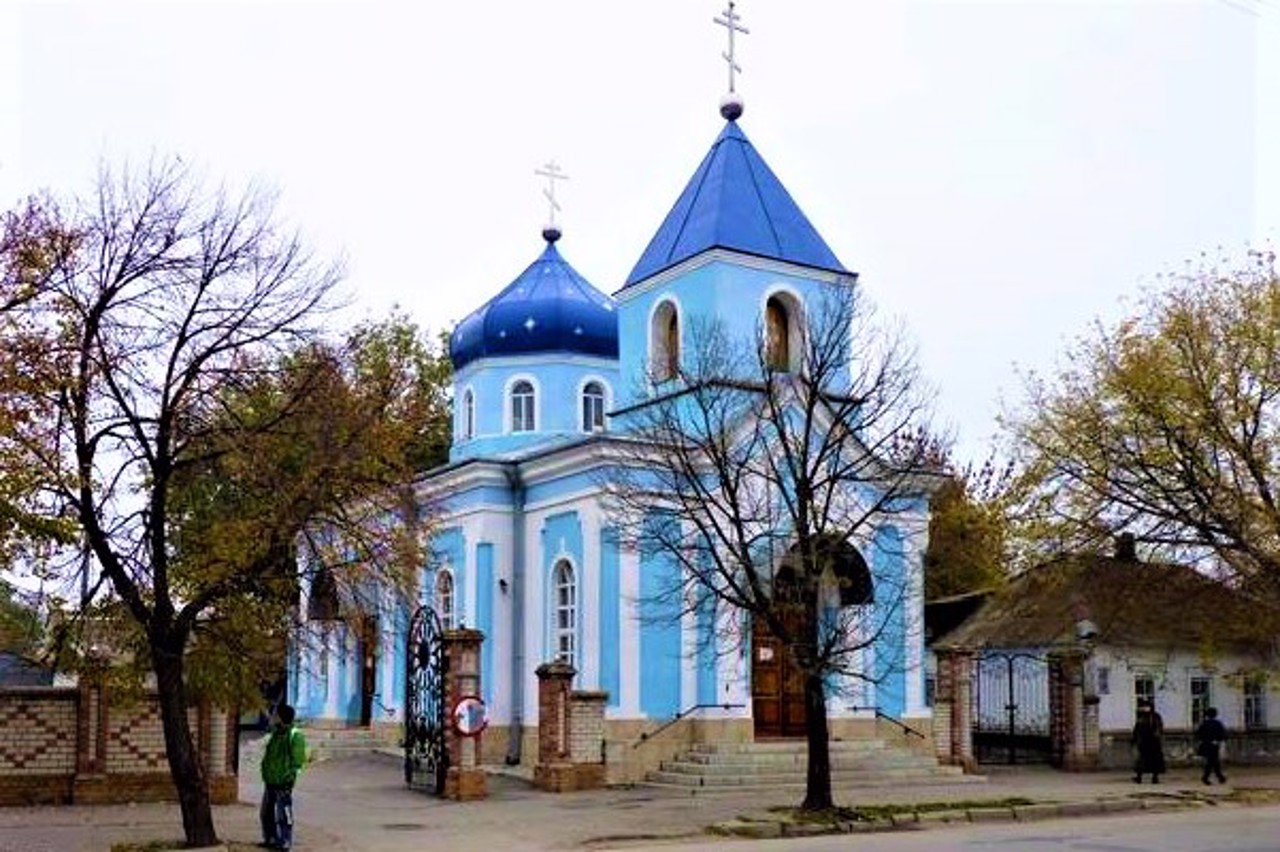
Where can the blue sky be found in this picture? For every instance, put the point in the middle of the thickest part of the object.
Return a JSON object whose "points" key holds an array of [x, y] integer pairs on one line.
{"points": [[999, 173]]}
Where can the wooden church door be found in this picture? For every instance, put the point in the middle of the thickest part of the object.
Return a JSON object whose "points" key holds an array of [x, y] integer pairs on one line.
{"points": [[777, 686]]}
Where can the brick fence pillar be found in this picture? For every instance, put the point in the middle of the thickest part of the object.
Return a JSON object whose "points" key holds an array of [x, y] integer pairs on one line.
{"points": [[465, 779], [953, 709], [554, 680], [91, 727], [1068, 712], [570, 732]]}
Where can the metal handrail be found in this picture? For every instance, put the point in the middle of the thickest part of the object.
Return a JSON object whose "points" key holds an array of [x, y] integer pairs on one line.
{"points": [[647, 735], [907, 730]]}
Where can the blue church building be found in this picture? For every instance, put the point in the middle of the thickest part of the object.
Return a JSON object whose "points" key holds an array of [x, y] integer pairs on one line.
{"points": [[522, 545]]}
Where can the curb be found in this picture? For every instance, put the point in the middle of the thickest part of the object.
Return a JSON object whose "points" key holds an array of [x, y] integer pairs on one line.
{"points": [[766, 828]]}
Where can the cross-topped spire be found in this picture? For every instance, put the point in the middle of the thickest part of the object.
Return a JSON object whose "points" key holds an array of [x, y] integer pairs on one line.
{"points": [[731, 103], [552, 172], [729, 21]]}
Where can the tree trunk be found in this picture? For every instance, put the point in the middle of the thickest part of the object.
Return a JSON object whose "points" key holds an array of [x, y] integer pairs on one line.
{"points": [[817, 792], [185, 765]]}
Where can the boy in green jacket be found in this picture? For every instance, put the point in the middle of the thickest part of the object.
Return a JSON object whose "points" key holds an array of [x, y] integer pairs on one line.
{"points": [[284, 758]]}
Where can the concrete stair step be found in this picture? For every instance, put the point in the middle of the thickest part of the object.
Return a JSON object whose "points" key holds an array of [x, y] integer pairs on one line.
{"points": [[339, 734], [864, 779], [782, 764], [837, 765], [780, 757], [332, 743], [787, 747]]}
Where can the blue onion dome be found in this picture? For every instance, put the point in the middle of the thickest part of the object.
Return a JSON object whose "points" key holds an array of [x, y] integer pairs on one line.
{"points": [[548, 308]]}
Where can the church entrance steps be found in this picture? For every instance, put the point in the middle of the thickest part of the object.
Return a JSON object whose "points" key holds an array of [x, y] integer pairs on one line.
{"points": [[773, 765], [338, 743]]}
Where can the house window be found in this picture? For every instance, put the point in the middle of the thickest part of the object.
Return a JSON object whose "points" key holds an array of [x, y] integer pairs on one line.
{"points": [[566, 615], [444, 599], [1144, 689], [593, 407], [468, 415], [522, 407], [1201, 698], [1104, 680], [664, 334], [1255, 704], [930, 689]]}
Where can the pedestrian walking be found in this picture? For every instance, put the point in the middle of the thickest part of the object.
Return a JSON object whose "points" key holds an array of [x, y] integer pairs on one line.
{"points": [[1209, 739], [1148, 739], [285, 755]]}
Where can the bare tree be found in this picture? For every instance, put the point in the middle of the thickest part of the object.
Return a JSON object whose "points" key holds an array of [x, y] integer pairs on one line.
{"points": [[762, 479], [194, 424]]}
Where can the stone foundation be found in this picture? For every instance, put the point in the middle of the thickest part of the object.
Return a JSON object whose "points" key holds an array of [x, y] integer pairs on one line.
{"points": [[465, 785], [569, 777]]}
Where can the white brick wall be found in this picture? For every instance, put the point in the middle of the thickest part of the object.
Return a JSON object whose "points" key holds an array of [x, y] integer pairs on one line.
{"points": [[586, 730], [37, 736], [135, 738]]}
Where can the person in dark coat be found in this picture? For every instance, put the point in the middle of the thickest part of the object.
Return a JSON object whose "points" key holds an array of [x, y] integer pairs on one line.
{"points": [[1148, 739], [1209, 739]]}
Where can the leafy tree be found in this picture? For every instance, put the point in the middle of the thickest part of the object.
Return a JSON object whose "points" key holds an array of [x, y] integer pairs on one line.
{"points": [[1166, 425], [20, 626], [190, 420], [760, 485], [967, 532], [34, 244], [317, 449]]}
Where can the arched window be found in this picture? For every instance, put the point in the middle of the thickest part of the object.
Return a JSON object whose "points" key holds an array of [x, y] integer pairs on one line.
{"points": [[782, 315], [566, 614], [468, 415], [444, 598], [522, 407], [664, 358], [322, 599], [777, 335], [593, 407]]}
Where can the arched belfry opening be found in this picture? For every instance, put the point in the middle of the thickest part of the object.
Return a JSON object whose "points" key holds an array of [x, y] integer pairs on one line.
{"points": [[664, 345], [782, 333]]}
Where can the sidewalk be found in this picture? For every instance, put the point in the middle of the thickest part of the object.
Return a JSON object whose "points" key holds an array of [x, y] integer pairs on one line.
{"points": [[361, 804]]}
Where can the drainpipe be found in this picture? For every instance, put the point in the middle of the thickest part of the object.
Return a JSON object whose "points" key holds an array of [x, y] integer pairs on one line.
{"points": [[516, 484]]}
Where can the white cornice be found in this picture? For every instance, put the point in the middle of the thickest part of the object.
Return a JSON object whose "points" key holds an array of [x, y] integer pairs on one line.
{"points": [[521, 362], [750, 261]]}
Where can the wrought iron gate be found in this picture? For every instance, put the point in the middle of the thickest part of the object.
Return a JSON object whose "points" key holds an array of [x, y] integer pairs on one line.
{"points": [[1011, 719], [426, 759]]}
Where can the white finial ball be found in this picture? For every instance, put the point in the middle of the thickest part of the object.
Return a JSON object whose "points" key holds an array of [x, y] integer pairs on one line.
{"points": [[731, 106]]}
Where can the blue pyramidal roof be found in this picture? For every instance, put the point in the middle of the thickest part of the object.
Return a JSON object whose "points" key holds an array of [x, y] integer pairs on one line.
{"points": [[548, 308], [734, 201]]}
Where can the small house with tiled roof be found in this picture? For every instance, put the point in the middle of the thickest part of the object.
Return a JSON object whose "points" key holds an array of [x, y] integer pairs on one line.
{"points": [[1115, 630]]}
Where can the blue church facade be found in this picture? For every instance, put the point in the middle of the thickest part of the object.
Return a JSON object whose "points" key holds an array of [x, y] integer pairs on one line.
{"points": [[523, 547]]}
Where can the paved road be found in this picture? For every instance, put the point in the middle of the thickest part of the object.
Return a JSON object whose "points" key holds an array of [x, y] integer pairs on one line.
{"points": [[1202, 830], [361, 805]]}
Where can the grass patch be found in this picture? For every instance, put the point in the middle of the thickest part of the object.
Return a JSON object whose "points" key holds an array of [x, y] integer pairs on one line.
{"points": [[1253, 796], [880, 813]]}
